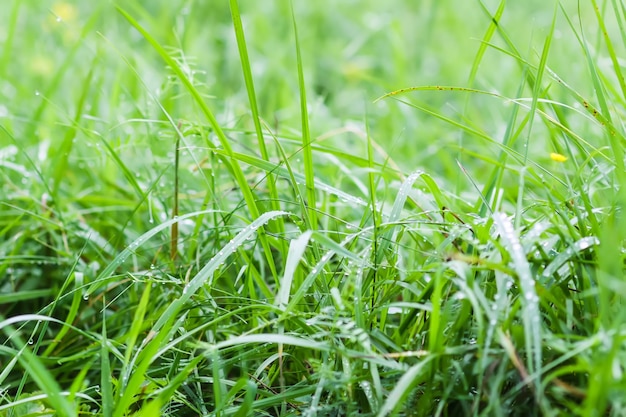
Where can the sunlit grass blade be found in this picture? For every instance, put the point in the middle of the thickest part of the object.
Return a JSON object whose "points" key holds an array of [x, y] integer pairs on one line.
{"points": [[138, 324]]}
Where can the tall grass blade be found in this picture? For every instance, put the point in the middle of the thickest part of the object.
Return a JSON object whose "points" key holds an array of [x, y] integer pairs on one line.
{"points": [[307, 152]]}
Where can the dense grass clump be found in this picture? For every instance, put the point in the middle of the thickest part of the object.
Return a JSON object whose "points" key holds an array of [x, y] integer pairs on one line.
{"points": [[319, 208]]}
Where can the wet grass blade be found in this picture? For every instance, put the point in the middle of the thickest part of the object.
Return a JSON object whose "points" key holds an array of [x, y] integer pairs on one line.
{"points": [[530, 300], [254, 108], [307, 152]]}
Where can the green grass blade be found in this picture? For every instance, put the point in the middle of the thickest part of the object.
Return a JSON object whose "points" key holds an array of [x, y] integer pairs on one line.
{"points": [[538, 78], [495, 22], [106, 386], [252, 99], [307, 152]]}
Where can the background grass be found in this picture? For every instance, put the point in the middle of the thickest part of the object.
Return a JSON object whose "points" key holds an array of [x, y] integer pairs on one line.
{"points": [[403, 210]]}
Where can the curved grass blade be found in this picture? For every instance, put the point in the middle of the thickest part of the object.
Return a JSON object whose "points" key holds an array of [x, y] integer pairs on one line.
{"points": [[204, 275], [268, 338], [404, 386], [122, 256], [296, 250], [530, 300], [570, 252], [299, 178], [38, 372]]}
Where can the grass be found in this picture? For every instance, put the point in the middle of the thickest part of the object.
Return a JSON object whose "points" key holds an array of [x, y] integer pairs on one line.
{"points": [[354, 208]]}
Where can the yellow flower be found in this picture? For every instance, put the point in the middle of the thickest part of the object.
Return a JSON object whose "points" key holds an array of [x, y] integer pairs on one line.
{"points": [[62, 19], [64, 11], [558, 157]]}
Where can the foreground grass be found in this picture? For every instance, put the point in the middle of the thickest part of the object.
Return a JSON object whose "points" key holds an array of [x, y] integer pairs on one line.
{"points": [[206, 211]]}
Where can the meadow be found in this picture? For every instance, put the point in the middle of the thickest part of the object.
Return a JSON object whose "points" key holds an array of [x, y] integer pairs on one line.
{"points": [[324, 208]]}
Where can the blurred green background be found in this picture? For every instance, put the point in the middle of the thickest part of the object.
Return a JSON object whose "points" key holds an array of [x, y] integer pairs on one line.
{"points": [[353, 52]]}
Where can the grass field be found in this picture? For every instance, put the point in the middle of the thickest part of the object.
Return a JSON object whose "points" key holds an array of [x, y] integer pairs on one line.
{"points": [[323, 208]]}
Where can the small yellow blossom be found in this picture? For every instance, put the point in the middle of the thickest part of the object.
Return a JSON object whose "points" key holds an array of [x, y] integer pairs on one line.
{"points": [[558, 157], [64, 11], [62, 20]]}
